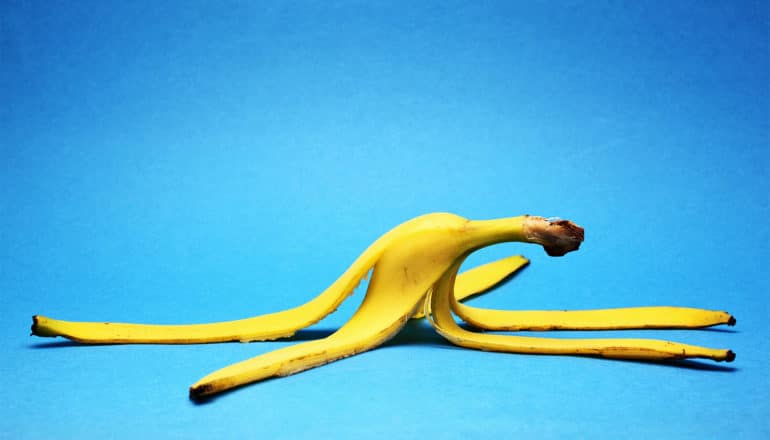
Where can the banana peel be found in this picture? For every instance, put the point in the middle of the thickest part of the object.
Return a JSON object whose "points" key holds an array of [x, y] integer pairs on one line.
{"points": [[414, 273]]}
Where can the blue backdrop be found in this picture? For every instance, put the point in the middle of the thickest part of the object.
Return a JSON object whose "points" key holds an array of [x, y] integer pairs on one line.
{"points": [[201, 161]]}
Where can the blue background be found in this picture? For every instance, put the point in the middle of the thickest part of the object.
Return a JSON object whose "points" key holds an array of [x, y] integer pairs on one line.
{"points": [[203, 161]]}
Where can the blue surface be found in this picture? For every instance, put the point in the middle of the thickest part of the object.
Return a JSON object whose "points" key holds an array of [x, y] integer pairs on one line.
{"points": [[196, 161]]}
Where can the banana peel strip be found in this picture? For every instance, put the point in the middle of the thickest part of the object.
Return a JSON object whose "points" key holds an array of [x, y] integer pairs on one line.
{"points": [[441, 302], [278, 325]]}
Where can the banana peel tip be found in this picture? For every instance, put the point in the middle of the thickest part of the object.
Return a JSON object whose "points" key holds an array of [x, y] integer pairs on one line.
{"points": [[33, 329], [200, 392]]}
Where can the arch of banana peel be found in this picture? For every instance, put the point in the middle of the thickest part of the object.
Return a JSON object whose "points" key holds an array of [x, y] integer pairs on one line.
{"points": [[428, 285]]}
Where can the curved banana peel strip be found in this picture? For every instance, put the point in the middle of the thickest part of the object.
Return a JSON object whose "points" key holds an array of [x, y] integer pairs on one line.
{"points": [[389, 303], [601, 319], [259, 328], [271, 326], [439, 312], [417, 258]]}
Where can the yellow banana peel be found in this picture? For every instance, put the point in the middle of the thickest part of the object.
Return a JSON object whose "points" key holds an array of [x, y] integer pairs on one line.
{"points": [[414, 274]]}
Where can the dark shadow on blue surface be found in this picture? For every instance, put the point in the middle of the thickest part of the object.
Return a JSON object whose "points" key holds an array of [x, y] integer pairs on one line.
{"points": [[310, 334], [62, 344], [687, 364], [415, 332], [716, 329], [418, 332]]}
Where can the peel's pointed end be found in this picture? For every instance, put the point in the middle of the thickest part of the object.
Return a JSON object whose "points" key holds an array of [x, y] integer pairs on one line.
{"points": [[731, 322], [200, 392], [44, 327], [558, 237], [730, 356], [34, 325], [36, 329]]}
